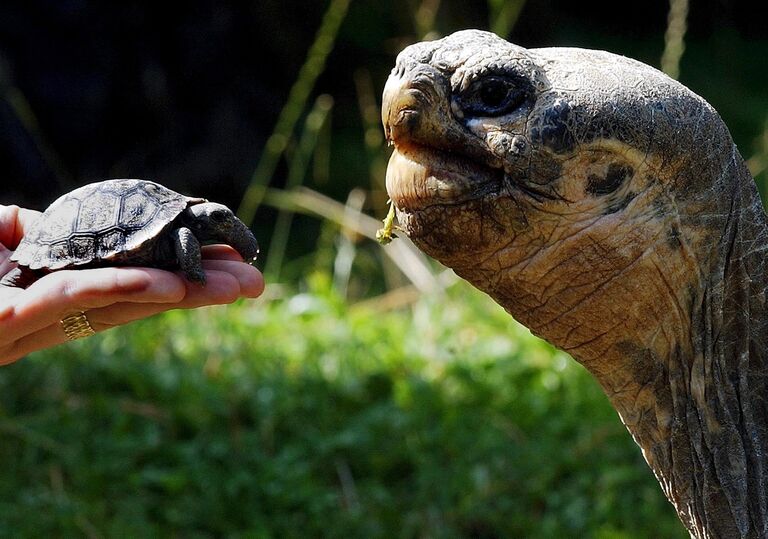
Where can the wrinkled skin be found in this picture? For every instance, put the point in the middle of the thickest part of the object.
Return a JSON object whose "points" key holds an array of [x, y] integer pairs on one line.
{"points": [[606, 207]]}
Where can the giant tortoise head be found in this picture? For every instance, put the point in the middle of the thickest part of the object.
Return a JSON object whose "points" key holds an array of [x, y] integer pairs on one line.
{"points": [[606, 207]]}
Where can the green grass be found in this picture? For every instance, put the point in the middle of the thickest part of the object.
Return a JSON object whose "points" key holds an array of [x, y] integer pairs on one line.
{"points": [[302, 417]]}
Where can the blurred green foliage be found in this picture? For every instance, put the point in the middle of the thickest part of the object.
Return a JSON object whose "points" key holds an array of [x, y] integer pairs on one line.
{"points": [[304, 417]]}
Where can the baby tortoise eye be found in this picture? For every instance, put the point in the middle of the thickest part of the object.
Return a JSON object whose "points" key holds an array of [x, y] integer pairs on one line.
{"points": [[219, 216], [490, 96]]}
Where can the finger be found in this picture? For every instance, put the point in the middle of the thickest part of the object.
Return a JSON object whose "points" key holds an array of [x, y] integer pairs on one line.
{"points": [[250, 279], [5, 263], [221, 252], [115, 296], [221, 288], [226, 281], [14, 222], [119, 314], [54, 296], [46, 337]]}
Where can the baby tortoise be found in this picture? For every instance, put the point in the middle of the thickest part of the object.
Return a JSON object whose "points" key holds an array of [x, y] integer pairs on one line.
{"points": [[127, 223]]}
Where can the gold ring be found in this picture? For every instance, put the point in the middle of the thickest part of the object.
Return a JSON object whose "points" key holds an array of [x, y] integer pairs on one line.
{"points": [[76, 326]]}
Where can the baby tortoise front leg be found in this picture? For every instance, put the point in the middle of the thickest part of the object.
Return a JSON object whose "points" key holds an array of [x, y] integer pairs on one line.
{"points": [[188, 254], [19, 278]]}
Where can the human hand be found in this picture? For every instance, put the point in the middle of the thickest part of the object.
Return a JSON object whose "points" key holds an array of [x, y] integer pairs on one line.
{"points": [[30, 319]]}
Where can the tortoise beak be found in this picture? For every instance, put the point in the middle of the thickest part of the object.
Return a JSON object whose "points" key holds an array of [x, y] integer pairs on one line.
{"points": [[242, 239]]}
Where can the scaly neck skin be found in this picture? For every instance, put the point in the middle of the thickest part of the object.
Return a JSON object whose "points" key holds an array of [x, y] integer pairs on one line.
{"points": [[722, 418], [677, 344]]}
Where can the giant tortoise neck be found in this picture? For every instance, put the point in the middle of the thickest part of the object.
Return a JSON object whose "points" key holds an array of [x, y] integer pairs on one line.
{"points": [[714, 464], [686, 369], [696, 404]]}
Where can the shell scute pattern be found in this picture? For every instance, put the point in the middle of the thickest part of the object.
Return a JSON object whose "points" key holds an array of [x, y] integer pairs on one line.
{"points": [[146, 211], [137, 211], [99, 222], [112, 241], [60, 223], [98, 213]]}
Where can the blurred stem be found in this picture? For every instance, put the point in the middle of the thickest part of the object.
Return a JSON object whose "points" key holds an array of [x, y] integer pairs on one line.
{"points": [[297, 170], [345, 252], [424, 18], [758, 163], [503, 15], [297, 99], [370, 112], [411, 262], [321, 170], [674, 38]]}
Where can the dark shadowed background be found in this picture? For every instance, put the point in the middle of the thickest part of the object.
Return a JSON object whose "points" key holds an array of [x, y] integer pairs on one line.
{"points": [[188, 94]]}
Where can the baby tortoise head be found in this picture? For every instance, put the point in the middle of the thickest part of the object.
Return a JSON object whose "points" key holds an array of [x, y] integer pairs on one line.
{"points": [[211, 222]]}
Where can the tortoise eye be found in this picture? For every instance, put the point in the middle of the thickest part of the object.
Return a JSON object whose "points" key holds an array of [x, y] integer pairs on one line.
{"points": [[490, 96], [218, 216], [493, 93]]}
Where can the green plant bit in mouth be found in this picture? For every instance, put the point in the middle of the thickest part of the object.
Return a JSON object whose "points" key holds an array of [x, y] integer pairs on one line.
{"points": [[385, 235]]}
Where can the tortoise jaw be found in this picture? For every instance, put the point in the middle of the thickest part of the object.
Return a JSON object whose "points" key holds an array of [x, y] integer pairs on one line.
{"points": [[419, 177], [242, 240]]}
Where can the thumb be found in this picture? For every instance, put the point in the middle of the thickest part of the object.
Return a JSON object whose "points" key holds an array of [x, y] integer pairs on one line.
{"points": [[14, 222]]}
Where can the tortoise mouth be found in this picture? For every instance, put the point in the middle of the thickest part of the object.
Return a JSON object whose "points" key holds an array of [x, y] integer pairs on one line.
{"points": [[420, 177]]}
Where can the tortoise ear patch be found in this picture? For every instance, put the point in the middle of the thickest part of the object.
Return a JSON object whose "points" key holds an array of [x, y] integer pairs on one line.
{"points": [[616, 206], [614, 178]]}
